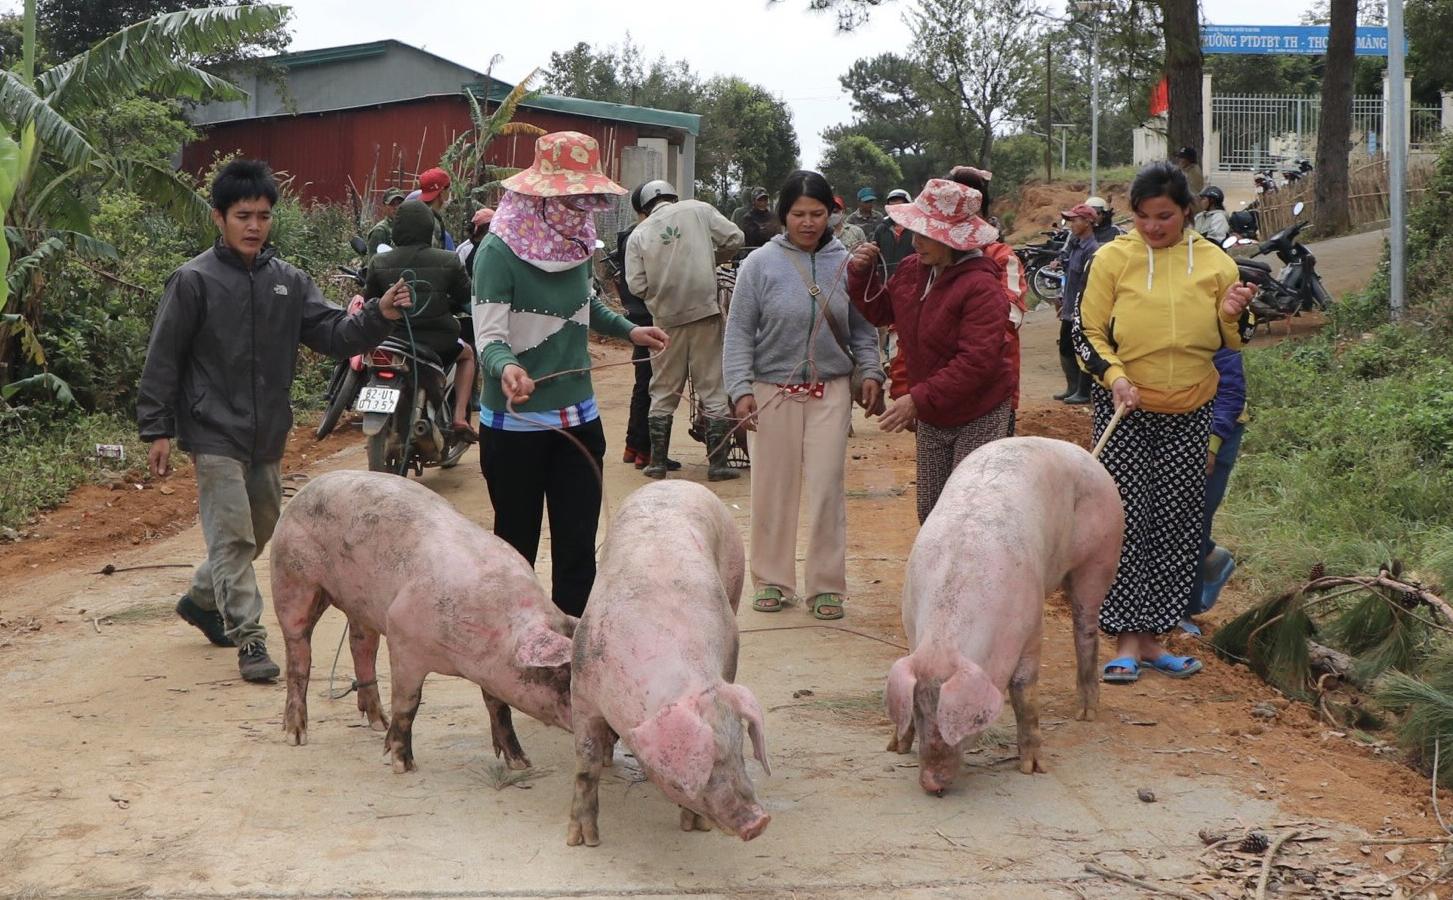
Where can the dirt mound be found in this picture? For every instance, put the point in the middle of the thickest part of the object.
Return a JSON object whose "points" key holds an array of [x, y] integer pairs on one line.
{"points": [[134, 508], [1040, 204]]}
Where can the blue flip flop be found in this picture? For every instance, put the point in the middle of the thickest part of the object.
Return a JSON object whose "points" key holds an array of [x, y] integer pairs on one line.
{"points": [[1130, 676], [1175, 666]]}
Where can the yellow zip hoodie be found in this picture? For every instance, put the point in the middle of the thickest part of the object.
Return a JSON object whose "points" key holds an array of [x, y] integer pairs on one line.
{"points": [[1154, 317]]}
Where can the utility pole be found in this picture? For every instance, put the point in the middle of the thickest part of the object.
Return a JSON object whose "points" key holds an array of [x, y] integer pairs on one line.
{"points": [[1048, 115], [1397, 150], [1095, 107]]}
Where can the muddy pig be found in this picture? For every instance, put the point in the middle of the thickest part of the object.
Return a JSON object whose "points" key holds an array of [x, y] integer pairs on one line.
{"points": [[452, 598], [655, 658], [1018, 518]]}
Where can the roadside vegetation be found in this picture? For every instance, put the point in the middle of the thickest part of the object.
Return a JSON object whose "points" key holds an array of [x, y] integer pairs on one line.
{"points": [[1347, 470]]}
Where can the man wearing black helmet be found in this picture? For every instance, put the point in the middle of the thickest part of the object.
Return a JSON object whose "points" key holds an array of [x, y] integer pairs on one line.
{"points": [[671, 260], [1211, 221]]}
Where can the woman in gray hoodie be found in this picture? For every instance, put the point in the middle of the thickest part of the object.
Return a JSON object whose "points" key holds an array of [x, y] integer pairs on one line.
{"points": [[793, 346]]}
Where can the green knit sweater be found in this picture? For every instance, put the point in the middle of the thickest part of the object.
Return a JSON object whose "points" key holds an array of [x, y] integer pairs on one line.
{"points": [[540, 321]]}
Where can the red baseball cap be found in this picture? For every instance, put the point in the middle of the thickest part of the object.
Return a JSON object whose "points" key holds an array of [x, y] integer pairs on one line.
{"points": [[1082, 211], [432, 183], [837, 203]]}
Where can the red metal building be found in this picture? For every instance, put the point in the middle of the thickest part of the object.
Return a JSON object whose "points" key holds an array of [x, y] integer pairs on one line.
{"points": [[375, 115]]}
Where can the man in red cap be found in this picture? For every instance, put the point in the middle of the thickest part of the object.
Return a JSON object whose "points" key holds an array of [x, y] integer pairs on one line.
{"points": [[1076, 261], [434, 191]]}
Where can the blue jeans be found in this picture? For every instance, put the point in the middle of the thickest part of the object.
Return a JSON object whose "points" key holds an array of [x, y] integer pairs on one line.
{"points": [[1215, 492]]}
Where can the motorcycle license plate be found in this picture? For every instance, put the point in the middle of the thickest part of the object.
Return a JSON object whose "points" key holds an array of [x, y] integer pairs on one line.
{"points": [[377, 400]]}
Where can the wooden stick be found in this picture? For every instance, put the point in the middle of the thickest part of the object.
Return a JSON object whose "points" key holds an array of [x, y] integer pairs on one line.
{"points": [[1266, 862], [1120, 411], [1156, 889]]}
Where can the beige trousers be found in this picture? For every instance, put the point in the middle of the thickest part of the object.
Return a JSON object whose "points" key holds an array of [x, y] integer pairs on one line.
{"points": [[800, 440], [695, 352]]}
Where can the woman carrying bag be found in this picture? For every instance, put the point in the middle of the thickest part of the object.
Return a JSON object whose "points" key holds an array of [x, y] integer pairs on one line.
{"points": [[794, 348]]}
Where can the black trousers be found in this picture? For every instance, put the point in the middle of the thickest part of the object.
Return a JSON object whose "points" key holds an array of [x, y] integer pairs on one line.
{"points": [[532, 472], [637, 438]]}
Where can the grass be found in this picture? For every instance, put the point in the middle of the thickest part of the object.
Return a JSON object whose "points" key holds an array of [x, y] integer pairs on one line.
{"points": [[1347, 462], [41, 464], [1106, 174]]}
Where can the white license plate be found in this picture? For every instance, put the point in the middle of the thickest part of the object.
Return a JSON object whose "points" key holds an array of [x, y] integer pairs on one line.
{"points": [[377, 400]]}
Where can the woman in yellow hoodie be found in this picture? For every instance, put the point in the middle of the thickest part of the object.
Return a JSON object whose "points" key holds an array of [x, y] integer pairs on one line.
{"points": [[1157, 305]]}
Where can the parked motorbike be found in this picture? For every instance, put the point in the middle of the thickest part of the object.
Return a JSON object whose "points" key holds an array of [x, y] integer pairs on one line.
{"points": [[1036, 258], [1296, 288], [1299, 169], [406, 396]]}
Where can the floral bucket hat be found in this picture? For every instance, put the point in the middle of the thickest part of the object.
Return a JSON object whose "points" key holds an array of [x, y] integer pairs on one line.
{"points": [[566, 163], [947, 212]]}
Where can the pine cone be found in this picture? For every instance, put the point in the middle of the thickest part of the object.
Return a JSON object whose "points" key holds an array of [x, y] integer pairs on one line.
{"points": [[1255, 842], [1319, 570]]}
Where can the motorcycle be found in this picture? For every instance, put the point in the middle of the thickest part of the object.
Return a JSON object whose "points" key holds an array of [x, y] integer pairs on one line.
{"points": [[1036, 258], [1296, 288], [406, 396], [1299, 170]]}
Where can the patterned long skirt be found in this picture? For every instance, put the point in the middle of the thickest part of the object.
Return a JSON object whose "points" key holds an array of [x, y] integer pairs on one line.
{"points": [[940, 450], [1159, 462]]}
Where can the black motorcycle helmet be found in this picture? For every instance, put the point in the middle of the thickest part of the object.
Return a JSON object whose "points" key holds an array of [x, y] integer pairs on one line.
{"points": [[1215, 195]]}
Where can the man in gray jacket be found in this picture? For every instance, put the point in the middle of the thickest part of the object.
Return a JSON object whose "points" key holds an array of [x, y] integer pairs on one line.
{"points": [[671, 261], [218, 375]]}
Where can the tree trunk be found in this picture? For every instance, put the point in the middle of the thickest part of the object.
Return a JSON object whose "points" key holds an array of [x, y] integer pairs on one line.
{"points": [[1332, 214], [1183, 72]]}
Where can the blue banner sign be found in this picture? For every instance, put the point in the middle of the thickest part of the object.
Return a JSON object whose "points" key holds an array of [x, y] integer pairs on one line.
{"points": [[1272, 39]]}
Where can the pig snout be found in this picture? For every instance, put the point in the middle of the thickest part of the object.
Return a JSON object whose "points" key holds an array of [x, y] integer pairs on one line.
{"points": [[754, 824]]}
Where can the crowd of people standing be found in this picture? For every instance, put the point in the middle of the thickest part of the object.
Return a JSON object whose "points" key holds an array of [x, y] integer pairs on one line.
{"points": [[1151, 322]]}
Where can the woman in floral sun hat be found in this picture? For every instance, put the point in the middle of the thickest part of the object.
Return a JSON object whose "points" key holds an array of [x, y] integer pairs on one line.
{"points": [[949, 305], [533, 307]]}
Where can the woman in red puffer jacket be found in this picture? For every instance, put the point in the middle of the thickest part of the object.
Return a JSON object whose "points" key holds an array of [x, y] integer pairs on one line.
{"points": [[949, 306]]}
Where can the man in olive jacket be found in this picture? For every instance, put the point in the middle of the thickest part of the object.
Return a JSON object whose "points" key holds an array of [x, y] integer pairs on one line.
{"points": [[441, 289], [218, 377]]}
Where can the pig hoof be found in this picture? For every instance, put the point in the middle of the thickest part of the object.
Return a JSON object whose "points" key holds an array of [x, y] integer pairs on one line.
{"points": [[1086, 714], [297, 738], [1030, 764], [690, 821], [586, 834], [378, 725], [518, 763]]}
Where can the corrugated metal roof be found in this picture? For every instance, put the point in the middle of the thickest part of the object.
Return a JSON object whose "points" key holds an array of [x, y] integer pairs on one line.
{"points": [[598, 109]]}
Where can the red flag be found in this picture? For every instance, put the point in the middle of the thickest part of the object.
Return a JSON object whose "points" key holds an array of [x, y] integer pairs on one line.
{"points": [[1160, 98]]}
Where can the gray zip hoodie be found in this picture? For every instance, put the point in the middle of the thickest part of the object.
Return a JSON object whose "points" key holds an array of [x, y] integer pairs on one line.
{"points": [[219, 369], [772, 315]]}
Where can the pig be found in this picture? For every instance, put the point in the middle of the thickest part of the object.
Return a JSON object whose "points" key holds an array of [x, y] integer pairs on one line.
{"points": [[452, 598], [655, 661], [1018, 518]]}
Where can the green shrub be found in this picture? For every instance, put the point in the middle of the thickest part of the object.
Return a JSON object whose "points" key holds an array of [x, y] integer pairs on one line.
{"points": [[46, 451]]}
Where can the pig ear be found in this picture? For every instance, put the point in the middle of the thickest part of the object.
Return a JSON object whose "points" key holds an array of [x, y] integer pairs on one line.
{"points": [[899, 695], [539, 647], [967, 703], [745, 706], [677, 746]]}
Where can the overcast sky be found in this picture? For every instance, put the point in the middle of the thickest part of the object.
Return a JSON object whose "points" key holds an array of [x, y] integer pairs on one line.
{"points": [[796, 54]]}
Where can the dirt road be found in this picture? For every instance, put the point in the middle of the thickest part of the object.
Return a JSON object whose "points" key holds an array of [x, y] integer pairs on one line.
{"points": [[138, 765]]}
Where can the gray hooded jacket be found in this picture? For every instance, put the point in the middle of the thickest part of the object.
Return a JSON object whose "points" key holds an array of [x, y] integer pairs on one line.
{"points": [[219, 368]]}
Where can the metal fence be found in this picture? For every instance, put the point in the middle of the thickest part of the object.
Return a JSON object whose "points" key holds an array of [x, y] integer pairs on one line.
{"points": [[1426, 123], [1259, 131]]}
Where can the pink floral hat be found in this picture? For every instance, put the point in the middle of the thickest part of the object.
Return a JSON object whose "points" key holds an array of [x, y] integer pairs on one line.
{"points": [[947, 212], [566, 163]]}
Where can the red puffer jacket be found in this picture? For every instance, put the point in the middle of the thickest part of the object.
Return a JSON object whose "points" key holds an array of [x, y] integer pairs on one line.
{"points": [[952, 339]]}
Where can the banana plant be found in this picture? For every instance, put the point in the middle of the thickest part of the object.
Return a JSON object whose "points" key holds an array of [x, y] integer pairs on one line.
{"points": [[467, 154], [45, 213]]}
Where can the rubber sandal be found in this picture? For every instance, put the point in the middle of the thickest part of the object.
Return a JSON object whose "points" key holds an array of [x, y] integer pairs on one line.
{"points": [[466, 434], [1124, 677], [826, 606], [1175, 666], [769, 600]]}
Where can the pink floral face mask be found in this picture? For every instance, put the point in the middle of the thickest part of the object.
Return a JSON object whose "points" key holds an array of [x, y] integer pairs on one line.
{"points": [[551, 233]]}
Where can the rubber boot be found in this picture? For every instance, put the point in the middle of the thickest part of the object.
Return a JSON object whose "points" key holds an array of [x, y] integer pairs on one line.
{"points": [[1072, 376], [718, 448], [659, 427], [1081, 396]]}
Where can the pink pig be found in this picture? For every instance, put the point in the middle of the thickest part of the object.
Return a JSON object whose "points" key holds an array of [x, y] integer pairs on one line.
{"points": [[655, 657], [1018, 518], [398, 560]]}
